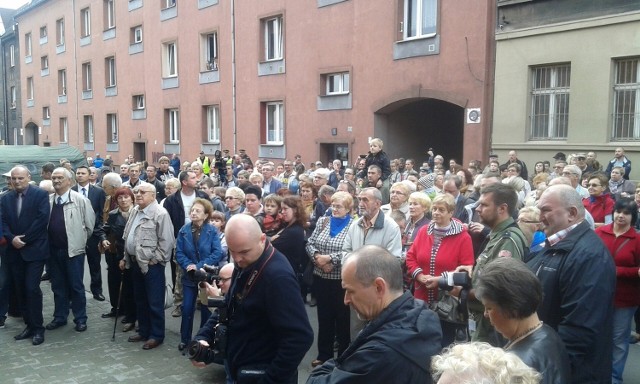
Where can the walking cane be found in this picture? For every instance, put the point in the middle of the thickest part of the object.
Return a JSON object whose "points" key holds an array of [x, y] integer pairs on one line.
{"points": [[113, 338]]}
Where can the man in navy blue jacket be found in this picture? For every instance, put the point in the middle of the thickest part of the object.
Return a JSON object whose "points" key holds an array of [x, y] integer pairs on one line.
{"points": [[268, 326], [25, 215]]}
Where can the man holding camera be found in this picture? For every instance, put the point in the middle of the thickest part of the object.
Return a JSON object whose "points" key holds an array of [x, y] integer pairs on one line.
{"points": [[269, 331], [401, 335]]}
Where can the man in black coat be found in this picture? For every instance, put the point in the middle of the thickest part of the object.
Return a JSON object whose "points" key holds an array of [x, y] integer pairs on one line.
{"points": [[25, 215]]}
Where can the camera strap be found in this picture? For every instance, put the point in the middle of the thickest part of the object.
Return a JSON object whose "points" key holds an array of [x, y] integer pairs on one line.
{"points": [[253, 278]]}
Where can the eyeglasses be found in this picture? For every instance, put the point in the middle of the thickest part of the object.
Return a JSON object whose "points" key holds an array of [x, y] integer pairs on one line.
{"points": [[528, 221], [229, 198], [397, 193], [594, 185], [568, 173], [336, 207], [140, 192], [348, 173], [223, 279]]}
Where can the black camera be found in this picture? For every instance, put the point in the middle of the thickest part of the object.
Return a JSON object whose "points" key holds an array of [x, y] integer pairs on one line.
{"points": [[210, 274], [448, 280], [215, 352]]}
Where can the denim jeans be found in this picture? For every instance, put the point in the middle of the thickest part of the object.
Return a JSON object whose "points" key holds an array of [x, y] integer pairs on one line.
{"points": [[189, 295], [67, 285], [621, 330], [148, 290]]}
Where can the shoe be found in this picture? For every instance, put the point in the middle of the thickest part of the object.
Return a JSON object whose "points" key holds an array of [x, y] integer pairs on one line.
{"points": [[177, 312], [98, 296], [127, 327], [316, 362], [38, 338], [55, 325], [313, 302], [81, 327], [2, 320], [135, 338], [111, 313], [27, 333], [150, 344], [45, 276], [182, 346]]}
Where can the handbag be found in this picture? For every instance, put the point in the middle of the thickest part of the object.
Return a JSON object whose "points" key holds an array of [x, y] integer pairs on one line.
{"points": [[449, 309], [168, 296]]}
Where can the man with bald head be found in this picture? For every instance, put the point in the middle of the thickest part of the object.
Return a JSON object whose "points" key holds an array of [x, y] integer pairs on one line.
{"points": [[25, 215], [268, 328], [578, 278]]}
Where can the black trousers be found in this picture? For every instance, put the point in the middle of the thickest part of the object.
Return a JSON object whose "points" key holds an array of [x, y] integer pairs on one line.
{"points": [[333, 317], [114, 276], [93, 260], [26, 278]]}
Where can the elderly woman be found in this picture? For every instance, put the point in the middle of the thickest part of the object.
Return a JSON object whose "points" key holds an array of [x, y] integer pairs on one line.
{"points": [[198, 243], [113, 249], [419, 216], [619, 186], [531, 226], [324, 247], [234, 200], [599, 203], [623, 244], [481, 363], [511, 293], [290, 240], [398, 201], [441, 246]]}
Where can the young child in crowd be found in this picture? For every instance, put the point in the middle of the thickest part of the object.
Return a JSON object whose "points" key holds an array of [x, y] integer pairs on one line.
{"points": [[272, 218], [218, 220]]}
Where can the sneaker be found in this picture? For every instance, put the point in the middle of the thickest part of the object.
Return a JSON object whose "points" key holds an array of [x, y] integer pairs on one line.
{"points": [[177, 312]]}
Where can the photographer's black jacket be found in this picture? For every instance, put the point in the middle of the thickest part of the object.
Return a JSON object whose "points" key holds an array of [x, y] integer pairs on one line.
{"points": [[270, 325]]}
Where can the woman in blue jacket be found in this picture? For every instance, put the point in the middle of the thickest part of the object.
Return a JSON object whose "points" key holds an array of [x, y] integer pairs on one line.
{"points": [[191, 258]]}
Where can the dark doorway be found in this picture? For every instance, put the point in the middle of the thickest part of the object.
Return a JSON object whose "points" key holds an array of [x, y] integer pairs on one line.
{"points": [[140, 151], [332, 151], [410, 127]]}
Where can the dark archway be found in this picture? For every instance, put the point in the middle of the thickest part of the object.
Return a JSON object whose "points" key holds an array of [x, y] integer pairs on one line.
{"points": [[30, 135], [410, 127]]}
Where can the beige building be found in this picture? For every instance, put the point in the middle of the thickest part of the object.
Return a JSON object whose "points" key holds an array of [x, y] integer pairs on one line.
{"points": [[565, 84], [274, 77]]}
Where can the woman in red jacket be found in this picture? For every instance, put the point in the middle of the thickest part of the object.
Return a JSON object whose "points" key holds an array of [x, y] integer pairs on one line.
{"points": [[623, 243], [441, 246], [599, 203]]}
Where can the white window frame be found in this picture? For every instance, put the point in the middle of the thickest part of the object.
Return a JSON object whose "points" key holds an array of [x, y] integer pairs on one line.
{"points": [[554, 100], [138, 102], [626, 100], [337, 83], [64, 130], [88, 129], [110, 68], [28, 44], [170, 59], [112, 128], [417, 13], [169, 4], [60, 32], [30, 88], [210, 51], [12, 55], [174, 126], [44, 62], [43, 31], [87, 81], [213, 124], [273, 39], [110, 14], [62, 74], [137, 34], [14, 97], [85, 23], [46, 112], [274, 123]]}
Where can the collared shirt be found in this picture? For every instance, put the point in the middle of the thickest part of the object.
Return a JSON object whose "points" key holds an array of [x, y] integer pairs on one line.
{"points": [[64, 198], [558, 236]]}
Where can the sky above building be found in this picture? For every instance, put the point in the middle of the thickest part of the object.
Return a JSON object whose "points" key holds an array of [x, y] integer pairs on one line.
{"points": [[12, 4]]}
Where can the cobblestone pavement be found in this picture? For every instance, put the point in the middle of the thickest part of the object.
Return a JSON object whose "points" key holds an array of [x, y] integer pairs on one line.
{"points": [[72, 357]]}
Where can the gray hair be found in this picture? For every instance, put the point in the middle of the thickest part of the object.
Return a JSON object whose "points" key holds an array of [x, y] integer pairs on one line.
{"points": [[326, 190], [373, 261], [113, 179], [573, 169], [374, 192], [67, 173]]}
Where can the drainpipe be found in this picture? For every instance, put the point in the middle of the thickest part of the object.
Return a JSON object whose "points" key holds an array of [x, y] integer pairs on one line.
{"points": [[5, 112], [78, 95], [233, 76]]}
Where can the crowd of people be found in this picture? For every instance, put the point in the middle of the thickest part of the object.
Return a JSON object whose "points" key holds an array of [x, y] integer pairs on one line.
{"points": [[552, 258]]}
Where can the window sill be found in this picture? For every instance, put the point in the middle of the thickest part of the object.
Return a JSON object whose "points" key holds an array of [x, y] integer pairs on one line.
{"points": [[271, 67], [274, 151], [416, 47], [334, 102]]}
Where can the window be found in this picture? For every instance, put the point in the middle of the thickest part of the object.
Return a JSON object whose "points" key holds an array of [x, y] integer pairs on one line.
{"points": [[30, 88], [273, 43], [110, 71], [12, 55], [109, 14], [46, 113], [138, 102], [85, 22], [168, 3], [27, 44], [550, 102], [44, 62], [43, 32], [60, 32], [62, 82], [337, 83], [136, 35], [64, 130], [88, 129], [14, 97], [274, 123], [173, 125], [112, 128], [86, 77], [626, 99], [210, 51], [170, 56], [420, 17], [213, 124]]}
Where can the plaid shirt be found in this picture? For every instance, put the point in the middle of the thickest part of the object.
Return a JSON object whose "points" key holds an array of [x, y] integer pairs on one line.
{"points": [[320, 241], [558, 236]]}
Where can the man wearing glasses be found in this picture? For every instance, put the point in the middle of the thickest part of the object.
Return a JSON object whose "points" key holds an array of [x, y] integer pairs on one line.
{"points": [[149, 242], [574, 174]]}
